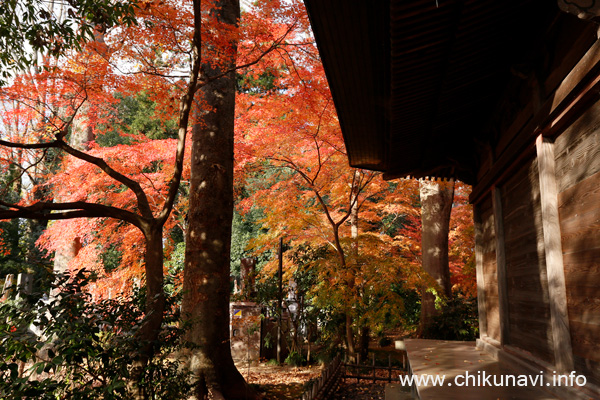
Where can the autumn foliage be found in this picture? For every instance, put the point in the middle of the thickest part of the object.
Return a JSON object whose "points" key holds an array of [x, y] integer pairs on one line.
{"points": [[292, 166], [290, 160]]}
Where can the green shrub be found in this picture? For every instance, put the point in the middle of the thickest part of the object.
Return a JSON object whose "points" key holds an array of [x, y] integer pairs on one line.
{"points": [[385, 341], [294, 359], [458, 320], [86, 349]]}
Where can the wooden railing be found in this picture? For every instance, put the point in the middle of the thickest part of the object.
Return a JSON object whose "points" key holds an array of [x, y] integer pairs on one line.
{"points": [[324, 386], [355, 370]]}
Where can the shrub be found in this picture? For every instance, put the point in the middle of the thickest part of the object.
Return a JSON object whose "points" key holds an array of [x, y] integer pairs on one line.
{"points": [[294, 359], [458, 320], [81, 349], [385, 341]]}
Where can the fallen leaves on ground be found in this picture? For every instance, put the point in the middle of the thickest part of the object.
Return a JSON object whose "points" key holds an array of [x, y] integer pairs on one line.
{"points": [[360, 391], [279, 382]]}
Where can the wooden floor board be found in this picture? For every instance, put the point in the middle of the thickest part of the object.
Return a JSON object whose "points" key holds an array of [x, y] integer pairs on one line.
{"points": [[455, 359]]}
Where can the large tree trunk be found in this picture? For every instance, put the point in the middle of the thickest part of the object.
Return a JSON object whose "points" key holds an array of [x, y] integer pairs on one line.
{"points": [[208, 237], [436, 206]]}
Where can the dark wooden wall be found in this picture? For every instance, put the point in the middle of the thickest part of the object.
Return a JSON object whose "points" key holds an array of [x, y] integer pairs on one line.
{"points": [[578, 177], [490, 276], [527, 281], [513, 239]]}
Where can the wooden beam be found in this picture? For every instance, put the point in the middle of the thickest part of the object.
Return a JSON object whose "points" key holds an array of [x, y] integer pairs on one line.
{"points": [[501, 265], [563, 352], [481, 306]]}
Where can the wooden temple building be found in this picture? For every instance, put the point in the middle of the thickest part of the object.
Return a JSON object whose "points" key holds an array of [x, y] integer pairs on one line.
{"points": [[503, 95]]}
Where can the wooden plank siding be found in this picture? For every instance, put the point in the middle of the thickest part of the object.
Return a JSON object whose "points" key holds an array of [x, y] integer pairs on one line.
{"points": [[488, 259], [481, 303], [577, 153], [501, 265], [527, 282], [561, 334]]}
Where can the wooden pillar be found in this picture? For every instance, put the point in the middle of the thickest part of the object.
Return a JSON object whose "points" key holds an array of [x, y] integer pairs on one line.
{"points": [[563, 352], [501, 265], [481, 306], [279, 302]]}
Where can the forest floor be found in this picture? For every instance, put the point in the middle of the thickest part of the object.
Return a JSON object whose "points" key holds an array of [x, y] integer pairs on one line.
{"points": [[279, 382], [360, 391], [283, 382], [288, 383]]}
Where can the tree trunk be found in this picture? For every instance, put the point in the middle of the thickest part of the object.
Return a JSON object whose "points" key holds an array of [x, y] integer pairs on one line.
{"points": [[365, 336], [155, 307], [436, 206], [155, 296], [351, 279], [208, 237]]}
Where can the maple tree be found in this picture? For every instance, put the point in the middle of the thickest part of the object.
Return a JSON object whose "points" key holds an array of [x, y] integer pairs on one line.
{"points": [[288, 133], [309, 195]]}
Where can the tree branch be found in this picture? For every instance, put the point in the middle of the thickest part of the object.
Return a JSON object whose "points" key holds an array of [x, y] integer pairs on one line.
{"points": [[77, 209], [185, 107]]}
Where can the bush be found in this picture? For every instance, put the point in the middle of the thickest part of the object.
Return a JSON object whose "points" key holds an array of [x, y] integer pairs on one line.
{"points": [[83, 349], [294, 359], [458, 320], [385, 341]]}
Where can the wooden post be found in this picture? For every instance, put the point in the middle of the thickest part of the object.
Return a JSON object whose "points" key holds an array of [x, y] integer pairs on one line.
{"points": [[280, 301], [563, 351], [501, 266], [481, 306], [9, 282], [25, 283], [373, 367], [390, 368]]}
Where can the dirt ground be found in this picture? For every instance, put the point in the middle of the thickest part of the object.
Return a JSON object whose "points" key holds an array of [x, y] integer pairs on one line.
{"points": [[288, 383], [360, 391], [279, 382]]}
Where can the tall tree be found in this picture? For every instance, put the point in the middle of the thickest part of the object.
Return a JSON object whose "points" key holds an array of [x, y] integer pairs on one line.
{"points": [[208, 238], [436, 207]]}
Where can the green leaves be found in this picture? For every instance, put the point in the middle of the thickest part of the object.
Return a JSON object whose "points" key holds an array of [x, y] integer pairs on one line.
{"points": [[87, 348], [52, 28]]}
